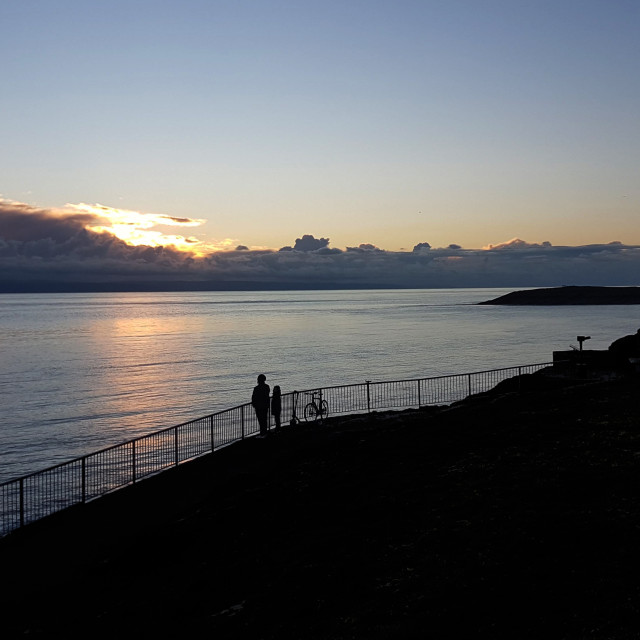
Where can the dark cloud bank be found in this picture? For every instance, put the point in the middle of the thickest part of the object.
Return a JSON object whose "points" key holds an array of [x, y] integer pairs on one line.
{"points": [[44, 251]]}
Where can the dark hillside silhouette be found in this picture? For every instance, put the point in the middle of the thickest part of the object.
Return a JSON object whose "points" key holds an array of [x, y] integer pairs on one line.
{"points": [[507, 516]]}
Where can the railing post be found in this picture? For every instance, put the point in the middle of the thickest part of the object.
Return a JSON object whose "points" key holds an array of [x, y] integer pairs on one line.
{"points": [[212, 441], [468, 384], [175, 445], [242, 419], [84, 480], [519, 379], [133, 461], [22, 502], [419, 400], [368, 396]]}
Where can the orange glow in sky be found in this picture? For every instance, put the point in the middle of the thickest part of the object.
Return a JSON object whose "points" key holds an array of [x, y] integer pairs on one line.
{"points": [[137, 228]]}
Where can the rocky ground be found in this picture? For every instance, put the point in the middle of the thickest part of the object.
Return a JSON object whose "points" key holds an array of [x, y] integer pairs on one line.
{"points": [[515, 515]]}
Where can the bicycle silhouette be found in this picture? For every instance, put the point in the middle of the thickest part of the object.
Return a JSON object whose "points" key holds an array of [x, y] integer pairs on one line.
{"points": [[317, 409]]}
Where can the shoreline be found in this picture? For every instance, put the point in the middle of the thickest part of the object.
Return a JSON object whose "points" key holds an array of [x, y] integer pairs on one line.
{"points": [[506, 515]]}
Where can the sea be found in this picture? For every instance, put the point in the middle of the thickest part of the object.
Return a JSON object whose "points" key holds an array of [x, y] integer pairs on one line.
{"points": [[80, 372]]}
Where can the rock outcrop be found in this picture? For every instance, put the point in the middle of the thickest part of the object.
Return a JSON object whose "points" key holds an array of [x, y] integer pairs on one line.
{"points": [[570, 296]]}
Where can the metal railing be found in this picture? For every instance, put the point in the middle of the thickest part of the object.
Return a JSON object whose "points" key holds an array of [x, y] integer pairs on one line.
{"points": [[36, 495]]}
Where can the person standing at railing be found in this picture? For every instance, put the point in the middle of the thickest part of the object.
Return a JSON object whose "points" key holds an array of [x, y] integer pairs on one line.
{"points": [[276, 406], [260, 403]]}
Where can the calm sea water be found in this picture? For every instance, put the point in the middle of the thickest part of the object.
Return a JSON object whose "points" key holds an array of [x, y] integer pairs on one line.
{"points": [[79, 372]]}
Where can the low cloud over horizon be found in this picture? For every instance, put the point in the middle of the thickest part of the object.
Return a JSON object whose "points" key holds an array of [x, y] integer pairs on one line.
{"points": [[47, 249]]}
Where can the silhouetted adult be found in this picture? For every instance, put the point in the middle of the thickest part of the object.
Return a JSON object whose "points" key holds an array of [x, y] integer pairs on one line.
{"points": [[260, 402], [276, 406]]}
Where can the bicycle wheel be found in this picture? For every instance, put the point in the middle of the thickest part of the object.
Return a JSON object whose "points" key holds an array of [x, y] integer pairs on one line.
{"points": [[324, 410], [311, 412]]}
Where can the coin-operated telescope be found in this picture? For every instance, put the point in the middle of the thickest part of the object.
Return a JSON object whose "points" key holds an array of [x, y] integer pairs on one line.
{"points": [[581, 339]]}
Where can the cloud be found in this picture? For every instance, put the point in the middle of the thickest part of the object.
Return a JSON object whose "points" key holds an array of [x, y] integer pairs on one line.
{"points": [[23, 223], [135, 218], [516, 244], [47, 249], [138, 228], [364, 247], [309, 243], [47, 243]]}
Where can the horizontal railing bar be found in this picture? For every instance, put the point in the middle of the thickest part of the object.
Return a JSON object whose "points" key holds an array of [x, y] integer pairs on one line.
{"points": [[448, 375]]}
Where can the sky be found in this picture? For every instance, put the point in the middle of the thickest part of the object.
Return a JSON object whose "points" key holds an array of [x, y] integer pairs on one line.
{"points": [[395, 142]]}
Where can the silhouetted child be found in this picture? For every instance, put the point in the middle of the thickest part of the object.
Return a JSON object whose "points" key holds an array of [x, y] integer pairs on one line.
{"points": [[276, 406]]}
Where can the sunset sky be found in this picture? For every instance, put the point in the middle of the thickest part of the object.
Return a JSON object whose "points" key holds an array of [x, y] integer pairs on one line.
{"points": [[374, 126]]}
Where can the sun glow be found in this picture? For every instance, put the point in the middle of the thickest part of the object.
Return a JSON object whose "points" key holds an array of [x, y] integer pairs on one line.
{"points": [[137, 228]]}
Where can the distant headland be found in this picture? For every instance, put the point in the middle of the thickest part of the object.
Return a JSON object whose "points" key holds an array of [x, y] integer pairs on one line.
{"points": [[570, 295]]}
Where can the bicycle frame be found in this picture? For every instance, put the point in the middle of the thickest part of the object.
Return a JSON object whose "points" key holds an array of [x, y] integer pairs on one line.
{"points": [[317, 409]]}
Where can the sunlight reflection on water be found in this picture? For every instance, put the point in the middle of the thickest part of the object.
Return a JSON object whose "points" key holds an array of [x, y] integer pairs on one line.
{"points": [[80, 372]]}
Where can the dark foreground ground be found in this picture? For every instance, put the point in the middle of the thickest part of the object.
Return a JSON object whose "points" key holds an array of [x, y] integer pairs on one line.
{"points": [[509, 517]]}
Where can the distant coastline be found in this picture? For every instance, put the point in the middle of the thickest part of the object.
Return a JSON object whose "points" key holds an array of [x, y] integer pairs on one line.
{"points": [[573, 295], [566, 295], [171, 286]]}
